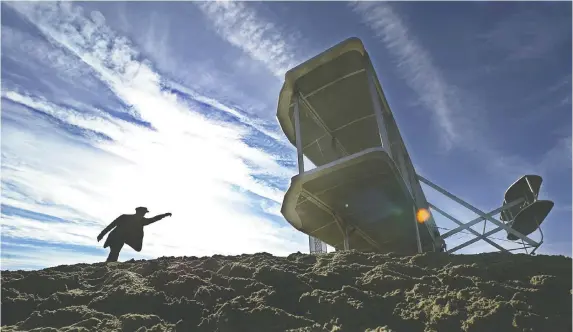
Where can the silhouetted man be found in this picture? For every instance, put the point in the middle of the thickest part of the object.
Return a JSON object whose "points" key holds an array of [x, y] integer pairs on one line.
{"points": [[128, 230]]}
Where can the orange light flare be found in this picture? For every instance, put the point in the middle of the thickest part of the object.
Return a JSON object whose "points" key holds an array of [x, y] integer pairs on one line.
{"points": [[422, 215]]}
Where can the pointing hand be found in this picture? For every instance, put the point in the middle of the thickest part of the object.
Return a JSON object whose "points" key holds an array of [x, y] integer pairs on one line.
{"points": [[99, 237], [168, 214]]}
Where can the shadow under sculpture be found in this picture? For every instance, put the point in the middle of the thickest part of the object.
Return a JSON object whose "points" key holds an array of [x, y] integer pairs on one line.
{"points": [[127, 229]]}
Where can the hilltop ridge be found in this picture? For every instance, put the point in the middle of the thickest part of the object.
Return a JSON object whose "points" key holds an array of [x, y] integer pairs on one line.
{"points": [[340, 291]]}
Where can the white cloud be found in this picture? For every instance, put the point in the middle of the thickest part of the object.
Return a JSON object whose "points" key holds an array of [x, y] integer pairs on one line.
{"points": [[258, 125], [243, 28], [36, 55], [52, 232], [176, 56], [188, 164]]}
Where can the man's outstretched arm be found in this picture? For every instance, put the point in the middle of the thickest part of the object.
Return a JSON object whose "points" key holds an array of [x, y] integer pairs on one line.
{"points": [[147, 221], [107, 229]]}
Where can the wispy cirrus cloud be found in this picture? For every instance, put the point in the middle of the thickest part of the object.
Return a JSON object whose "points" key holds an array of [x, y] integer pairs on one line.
{"points": [[188, 161], [458, 127], [240, 25]]}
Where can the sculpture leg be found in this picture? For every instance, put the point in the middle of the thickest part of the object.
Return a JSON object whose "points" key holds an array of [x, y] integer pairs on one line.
{"points": [[114, 250]]}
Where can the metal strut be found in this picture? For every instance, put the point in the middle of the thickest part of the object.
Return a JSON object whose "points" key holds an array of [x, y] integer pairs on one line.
{"points": [[482, 216]]}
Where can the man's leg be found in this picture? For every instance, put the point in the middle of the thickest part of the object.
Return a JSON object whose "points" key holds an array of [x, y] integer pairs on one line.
{"points": [[114, 250], [137, 246]]}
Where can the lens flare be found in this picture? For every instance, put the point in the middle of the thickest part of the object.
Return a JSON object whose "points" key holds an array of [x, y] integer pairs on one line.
{"points": [[422, 215]]}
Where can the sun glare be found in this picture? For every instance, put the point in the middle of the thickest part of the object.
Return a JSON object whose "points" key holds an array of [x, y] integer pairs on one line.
{"points": [[422, 215]]}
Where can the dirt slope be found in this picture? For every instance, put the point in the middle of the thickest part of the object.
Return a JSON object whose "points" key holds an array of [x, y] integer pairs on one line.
{"points": [[342, 291]]}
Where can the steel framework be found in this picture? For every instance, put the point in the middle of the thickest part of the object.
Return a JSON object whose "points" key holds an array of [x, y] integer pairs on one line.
{"points": [[521, 212], [522, 202]]}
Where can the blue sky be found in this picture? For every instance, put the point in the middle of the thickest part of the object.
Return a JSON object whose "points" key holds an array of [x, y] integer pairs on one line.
{"points": [[110, 105]]}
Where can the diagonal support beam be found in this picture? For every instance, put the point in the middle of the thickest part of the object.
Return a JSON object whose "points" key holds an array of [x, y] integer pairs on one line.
{"points": [[479, 219], [478, 211], [482, 237], [471, 230], [467, 243], [319, 122]]}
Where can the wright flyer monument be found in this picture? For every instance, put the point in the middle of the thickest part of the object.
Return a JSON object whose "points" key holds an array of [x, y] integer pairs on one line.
{"points": [[364, 193]]}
